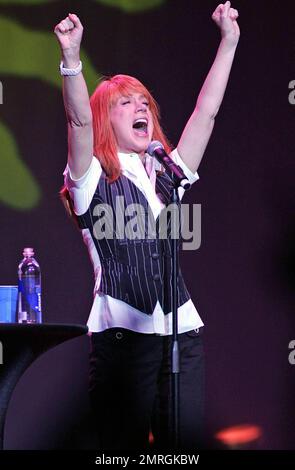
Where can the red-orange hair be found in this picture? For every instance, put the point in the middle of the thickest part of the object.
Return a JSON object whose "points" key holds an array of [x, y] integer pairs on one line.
{"points": [[105, 95]]}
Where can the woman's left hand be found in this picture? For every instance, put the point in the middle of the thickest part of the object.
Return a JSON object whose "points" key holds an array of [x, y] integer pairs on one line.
{"points": [[226, 19]]}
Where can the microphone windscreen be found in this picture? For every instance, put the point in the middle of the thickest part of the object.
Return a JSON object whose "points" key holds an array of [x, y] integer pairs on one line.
{"points": [[155, 144]]}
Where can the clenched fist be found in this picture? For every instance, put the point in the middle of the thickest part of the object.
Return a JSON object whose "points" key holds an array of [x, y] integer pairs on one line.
{"points": [[69, 33], [226, 19]]}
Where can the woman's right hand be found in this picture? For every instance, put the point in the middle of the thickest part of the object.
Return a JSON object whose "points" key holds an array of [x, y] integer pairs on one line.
{"points": [[69, 34]]}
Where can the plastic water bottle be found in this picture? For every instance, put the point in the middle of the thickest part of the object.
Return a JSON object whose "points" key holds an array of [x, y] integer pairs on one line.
{"points": [[29, 289]]}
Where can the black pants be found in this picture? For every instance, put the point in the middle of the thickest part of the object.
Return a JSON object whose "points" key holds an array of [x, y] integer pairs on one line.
{"points": [[130, 389]]}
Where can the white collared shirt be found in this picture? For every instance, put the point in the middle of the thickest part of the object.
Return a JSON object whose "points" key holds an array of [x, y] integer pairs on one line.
{"points": [[108, 312]]}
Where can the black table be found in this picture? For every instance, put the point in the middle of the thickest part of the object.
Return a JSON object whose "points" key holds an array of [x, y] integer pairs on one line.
{"points": [[21, 344]]}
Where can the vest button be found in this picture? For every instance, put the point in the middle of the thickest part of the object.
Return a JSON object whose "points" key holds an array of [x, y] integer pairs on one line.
{"points": [[156, 277], [155, 255]]}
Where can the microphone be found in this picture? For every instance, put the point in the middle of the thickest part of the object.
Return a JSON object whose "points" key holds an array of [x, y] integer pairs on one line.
{"points": [[156, 149]]}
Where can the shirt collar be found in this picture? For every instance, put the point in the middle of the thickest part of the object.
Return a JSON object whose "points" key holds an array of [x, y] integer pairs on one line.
{"points": [[130, 161], [133, 169]]}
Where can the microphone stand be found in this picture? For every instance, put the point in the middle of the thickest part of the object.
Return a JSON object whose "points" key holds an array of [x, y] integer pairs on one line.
{"points": [[178, 179], [175, 369]]}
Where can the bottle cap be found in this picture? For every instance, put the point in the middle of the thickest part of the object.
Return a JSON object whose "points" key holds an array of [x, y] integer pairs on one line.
{"points": [[28, 252]]}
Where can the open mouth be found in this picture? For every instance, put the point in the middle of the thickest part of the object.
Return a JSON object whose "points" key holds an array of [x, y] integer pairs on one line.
{"points": [[140, 125]]}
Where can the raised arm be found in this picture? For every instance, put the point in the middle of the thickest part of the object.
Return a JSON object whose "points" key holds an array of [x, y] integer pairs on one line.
{"points": [[198, 129], [76, 99]]}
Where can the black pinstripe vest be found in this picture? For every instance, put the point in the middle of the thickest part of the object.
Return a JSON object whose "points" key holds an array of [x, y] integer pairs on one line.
{"points": [[136, 271]]}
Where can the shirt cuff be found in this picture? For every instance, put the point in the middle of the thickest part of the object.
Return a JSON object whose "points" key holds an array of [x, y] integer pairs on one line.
{"points": [[71, 182], [192, 177]]}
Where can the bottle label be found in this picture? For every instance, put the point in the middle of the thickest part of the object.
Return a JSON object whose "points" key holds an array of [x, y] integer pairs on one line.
{"points": [[30, 296]]}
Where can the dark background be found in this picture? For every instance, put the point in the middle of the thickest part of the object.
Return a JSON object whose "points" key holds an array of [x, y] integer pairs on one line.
{"points": [[242, 277]]}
